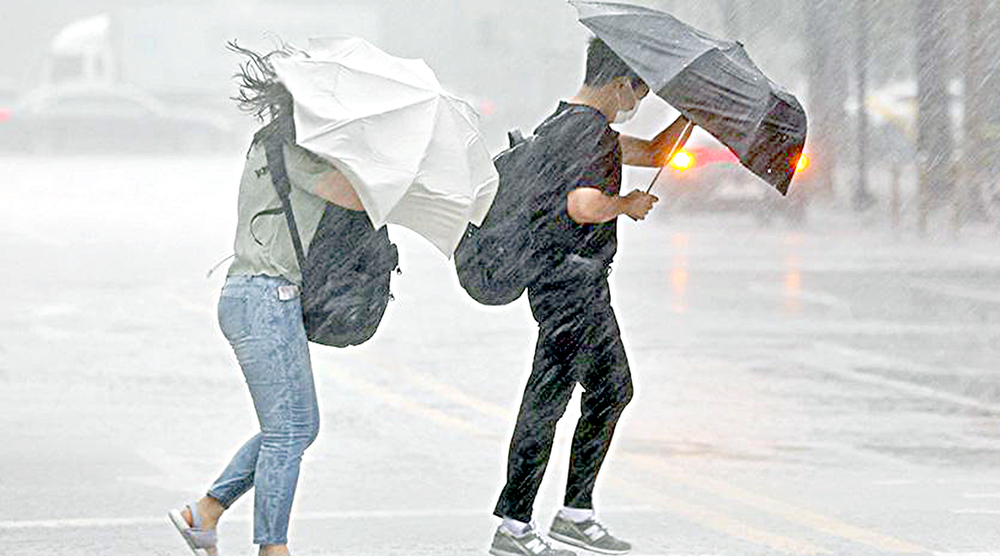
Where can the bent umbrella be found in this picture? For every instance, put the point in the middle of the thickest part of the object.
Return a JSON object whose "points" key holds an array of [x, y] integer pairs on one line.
{"points": [[712, 82], [411, 150]]}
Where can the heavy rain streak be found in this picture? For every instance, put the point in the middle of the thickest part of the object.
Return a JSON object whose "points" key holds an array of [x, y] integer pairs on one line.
{"points": [[653, 277]]}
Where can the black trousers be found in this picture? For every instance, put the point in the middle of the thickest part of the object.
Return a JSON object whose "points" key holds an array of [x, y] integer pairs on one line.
{"points": [[578, 342]]}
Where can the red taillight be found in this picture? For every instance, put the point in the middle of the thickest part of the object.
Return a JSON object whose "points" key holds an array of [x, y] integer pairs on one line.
{"points": [[802, 163], [4, 114], [487, 107], [682, 161]]}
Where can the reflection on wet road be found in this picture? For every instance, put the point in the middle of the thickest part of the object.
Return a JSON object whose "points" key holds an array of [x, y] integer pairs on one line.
{"points": [[829, 390]]}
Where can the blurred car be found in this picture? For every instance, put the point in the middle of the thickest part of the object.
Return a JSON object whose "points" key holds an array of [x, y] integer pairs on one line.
{"points": [[95, 117], [8, 95], [706, 176]]}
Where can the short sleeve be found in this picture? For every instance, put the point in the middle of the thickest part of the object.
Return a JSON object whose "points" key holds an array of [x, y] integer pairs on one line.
{"points": [[582, 154], [581, 151], [573, 146]]}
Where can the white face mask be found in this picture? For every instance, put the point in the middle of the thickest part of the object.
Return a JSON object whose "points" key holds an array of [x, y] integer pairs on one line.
{"points": [[623, 116]]}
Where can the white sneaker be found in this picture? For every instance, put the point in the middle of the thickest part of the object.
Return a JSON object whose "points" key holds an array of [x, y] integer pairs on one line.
{"points": [[530, 543], [591, 535]]}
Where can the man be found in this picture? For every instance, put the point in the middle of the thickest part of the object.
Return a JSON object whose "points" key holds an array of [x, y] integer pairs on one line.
{"points": [[578, 337]]}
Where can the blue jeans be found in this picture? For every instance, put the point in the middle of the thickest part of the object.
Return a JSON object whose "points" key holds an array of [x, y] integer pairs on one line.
{"points": [[270, 344]]}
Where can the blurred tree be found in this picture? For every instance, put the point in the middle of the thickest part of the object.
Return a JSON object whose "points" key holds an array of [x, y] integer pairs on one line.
{"points": [[935, 139], [827, 77], [981, 146], [862, 198]]}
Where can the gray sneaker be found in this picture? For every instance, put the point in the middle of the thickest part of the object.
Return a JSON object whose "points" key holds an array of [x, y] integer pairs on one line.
{"points": [[590, 534], [530, 543]]}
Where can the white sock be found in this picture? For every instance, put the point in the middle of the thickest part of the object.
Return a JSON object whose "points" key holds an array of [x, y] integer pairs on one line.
{"points": [[576, 515], [514, 526]]}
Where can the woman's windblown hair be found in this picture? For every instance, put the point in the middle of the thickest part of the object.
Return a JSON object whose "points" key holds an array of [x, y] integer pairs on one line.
{"points": [[261, 94]]}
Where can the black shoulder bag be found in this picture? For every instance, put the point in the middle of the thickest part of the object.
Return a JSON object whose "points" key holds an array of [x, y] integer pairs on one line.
{"points": [[495, 261], [345, 277]]}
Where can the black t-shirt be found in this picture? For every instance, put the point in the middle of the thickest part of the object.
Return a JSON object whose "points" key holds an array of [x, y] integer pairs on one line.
{"points": [[582, 151]]}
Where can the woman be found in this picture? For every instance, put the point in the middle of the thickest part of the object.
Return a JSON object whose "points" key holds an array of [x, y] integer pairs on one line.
{"points": [[260, 315]]}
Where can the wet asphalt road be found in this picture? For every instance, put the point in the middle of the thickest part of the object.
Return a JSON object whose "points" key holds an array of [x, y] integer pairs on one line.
{"points": [[829, 390]]}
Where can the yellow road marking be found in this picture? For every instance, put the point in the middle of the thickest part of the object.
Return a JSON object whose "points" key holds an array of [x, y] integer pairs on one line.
{"points": [[715, 520], [787, 511], [718, 521], [458, 396], [697, 514], [406, 404]]}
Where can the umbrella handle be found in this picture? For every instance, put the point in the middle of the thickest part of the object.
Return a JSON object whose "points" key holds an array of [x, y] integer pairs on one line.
{"points": [[673, 151]]}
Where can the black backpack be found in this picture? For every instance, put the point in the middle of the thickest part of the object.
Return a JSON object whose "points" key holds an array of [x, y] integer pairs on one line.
{"points": [[345, 277], [495, 261]]}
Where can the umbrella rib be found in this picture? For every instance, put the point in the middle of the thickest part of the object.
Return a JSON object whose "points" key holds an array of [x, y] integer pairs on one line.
{"points": [[712, 81], [427, 151], [339, 124], [411, 149], [347, 65]]}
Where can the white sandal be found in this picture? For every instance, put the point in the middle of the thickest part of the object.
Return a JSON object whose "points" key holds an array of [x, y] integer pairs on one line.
{"points": [[201, 541]]}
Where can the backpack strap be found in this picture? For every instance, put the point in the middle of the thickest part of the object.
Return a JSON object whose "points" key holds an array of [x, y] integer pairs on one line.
{"points": [[541, 131], [274, 149], [573, 110]]}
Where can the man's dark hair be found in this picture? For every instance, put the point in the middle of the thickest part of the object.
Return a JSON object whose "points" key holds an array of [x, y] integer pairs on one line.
{"points": [[603, 65]]}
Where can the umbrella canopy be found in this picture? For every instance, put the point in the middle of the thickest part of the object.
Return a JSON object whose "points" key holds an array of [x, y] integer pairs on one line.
{"points": [[713, 82], [411, 150]]}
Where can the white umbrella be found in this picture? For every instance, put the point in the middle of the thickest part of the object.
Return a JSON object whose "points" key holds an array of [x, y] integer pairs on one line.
{"points": [[411, 150]]}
